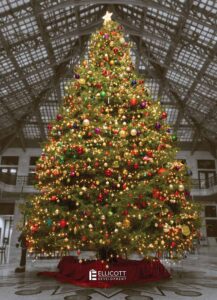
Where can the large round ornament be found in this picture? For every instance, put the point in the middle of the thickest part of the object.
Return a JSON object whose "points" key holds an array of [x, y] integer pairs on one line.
{"points": [[115, 164], [97, 130], [53, 198], [123, 133], [108, 172], [86, 122], [171, 186], [161, 171], [133, 102], [133, 132], [166, 228], [102, 94], [185, 230], [82, 81], [126, 223], [181, 187], [63, 223], [163, 115], [122, 40], [173, 244], [59, 117], [174, 138], [157, 125], [143, 104]]}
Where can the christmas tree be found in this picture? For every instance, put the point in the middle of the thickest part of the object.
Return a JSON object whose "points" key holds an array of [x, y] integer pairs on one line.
{"points": [[107, 176]]}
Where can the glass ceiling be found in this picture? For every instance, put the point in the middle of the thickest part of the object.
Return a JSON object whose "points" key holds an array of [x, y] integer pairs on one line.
{"points": [[175, 46]]}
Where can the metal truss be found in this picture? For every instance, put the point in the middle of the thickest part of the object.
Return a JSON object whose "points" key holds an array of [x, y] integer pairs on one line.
{"points": [[174, 49]]}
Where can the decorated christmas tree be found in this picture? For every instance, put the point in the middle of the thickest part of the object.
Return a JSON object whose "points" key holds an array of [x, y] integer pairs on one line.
{"points": [[107, 176]]}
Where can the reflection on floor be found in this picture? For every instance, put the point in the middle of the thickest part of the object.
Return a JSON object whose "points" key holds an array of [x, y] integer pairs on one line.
{"points": [[193, 278]]}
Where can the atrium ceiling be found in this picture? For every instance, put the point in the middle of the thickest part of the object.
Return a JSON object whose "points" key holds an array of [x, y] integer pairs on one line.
{"points": [[175, 47]]}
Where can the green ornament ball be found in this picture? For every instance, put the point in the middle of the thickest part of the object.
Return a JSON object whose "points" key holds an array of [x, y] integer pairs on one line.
{"points": [[174, 137], [61, 160], [116, 164], [102, 94]]}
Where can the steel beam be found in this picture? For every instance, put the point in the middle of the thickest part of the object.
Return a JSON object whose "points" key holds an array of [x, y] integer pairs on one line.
{"points": [[40, 124], [176, 39], [51, 56], [197, 79], [60, 70], [158, 72]]}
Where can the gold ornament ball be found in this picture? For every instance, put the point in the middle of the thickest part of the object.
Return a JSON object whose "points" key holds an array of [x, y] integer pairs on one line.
{"points": [[86, 122], [82, 81], [133, 132], [111, 44], [128, 69], [181, 187], [185, 230], [126, 223], [123, 133], [166, 228], [122, 40], [121, 111], [171, 186]]}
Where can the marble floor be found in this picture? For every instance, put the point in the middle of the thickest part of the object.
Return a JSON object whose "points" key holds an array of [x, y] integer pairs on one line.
{"points": [[195, 277]]}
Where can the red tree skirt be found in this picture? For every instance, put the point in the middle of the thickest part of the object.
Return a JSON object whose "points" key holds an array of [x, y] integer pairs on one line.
{"points": [[95, 273]]}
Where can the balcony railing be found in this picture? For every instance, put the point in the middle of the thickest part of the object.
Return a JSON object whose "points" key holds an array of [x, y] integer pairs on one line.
{"points": [[203, 184], [19, 184]]}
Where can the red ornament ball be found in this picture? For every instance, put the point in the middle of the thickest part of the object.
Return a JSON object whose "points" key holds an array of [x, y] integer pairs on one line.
{"points": [[164, 115], [133, 102], [80, 150], [49, 126], [149, 153], [62, 223], [161, 171], [173, 245], [124, 186], [125, 212], [34, 228], [53, 198], [108, 172], [155, 193], [59, 117], [100, 197]]}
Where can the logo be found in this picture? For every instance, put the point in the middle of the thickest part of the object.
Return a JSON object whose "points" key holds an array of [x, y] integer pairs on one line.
{"points": [[92, 274], [107, 275]]}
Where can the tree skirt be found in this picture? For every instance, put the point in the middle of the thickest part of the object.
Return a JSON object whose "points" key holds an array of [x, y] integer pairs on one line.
{"points": [[96, 274]]}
